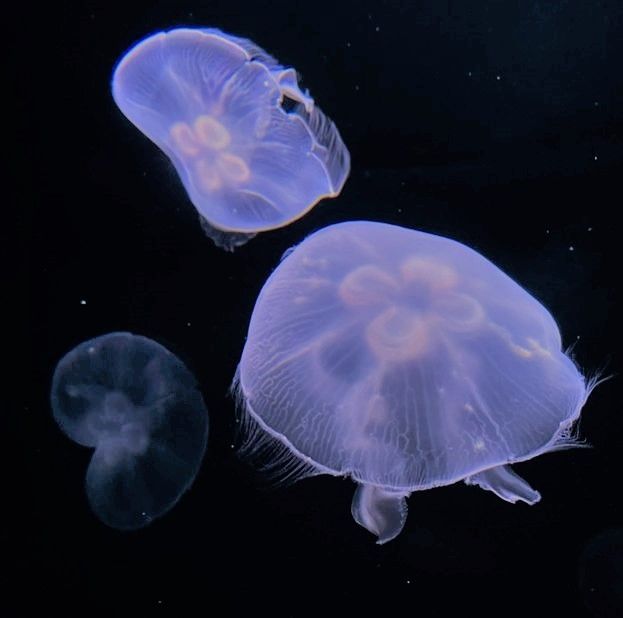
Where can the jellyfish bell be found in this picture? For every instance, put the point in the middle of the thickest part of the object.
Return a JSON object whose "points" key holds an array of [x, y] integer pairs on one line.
{"points": [[138, 406], [253, 151], [406, 361]]}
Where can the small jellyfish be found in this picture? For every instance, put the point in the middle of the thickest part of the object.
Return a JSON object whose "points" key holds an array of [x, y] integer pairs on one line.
{"points": [[600, 571], [406, 361], [138, 406], [253, 150]]}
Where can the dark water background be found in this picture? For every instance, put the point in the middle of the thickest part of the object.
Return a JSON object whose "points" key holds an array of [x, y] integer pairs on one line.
{"points": [[499, 124]]}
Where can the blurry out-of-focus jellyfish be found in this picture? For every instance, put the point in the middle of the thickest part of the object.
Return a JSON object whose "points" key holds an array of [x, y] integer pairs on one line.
{"points": [[600, 571], [138, 406], [406, 361], [253, 150]]}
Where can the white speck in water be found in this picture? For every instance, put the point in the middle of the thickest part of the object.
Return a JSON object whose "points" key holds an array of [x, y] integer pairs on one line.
{"points": [[571, 248], [347, 43], [596, 103], [469, 73], [187, 323], [498, 77], [577, 336], [83, 302], [595, 157], [547, 231], [408, 581], [356, 86], [399, 210], [589, 229], [377, 29]]}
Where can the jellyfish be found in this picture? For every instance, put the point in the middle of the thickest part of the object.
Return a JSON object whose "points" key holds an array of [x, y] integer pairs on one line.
{"points": [[600, 573], [138, 406], [253, 151], [405, 361]]}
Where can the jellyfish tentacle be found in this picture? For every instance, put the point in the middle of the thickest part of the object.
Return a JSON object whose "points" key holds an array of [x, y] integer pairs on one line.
{"points": [[380, 510], [505, 484]]}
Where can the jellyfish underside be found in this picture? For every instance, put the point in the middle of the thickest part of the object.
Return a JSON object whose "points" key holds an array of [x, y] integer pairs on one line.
{"points": [[383, 512], [227, 240]]}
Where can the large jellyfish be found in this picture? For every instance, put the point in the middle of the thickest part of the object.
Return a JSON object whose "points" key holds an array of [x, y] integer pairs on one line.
{"points": [[138, 406], [252, 149], [406, 361]]}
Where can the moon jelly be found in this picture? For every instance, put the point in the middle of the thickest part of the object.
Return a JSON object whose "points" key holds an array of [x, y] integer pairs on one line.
{"points": [[253, 150], [406, 361], [138, 406]]}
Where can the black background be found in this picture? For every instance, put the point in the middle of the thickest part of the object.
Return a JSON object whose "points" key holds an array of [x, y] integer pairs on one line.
{"points": [[499, 124]]}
